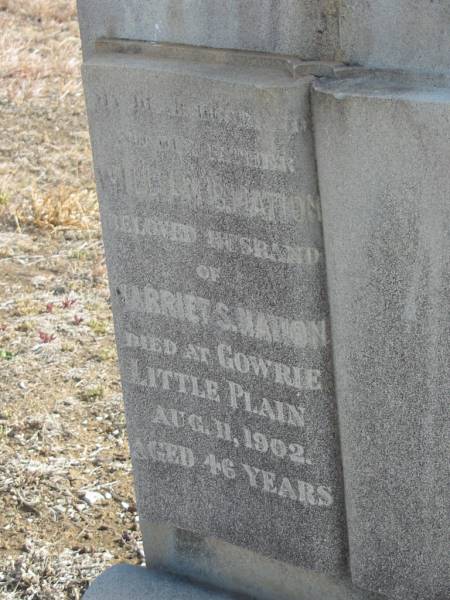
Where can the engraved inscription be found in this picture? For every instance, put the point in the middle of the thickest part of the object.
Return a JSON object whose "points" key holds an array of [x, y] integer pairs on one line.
{"points": [[221, 241], [217, 274], [238, 319]]}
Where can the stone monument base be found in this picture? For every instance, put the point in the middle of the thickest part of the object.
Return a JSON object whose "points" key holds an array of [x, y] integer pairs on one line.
{"points": [[242, 573], [238, 570], [125, 582]]}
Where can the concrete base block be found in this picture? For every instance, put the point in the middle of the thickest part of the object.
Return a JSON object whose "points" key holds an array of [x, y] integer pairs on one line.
{"points": [[125, 582]]}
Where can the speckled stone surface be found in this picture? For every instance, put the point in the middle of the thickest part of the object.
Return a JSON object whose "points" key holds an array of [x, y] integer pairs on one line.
{"points": [[408, 34], [124, 582], [206, 172], [212, 228], [383, 150], [238, 569], [308, 28]]}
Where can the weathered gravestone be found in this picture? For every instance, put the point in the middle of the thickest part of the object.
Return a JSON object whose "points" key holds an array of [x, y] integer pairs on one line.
{"points": [[212, 226], [205, 162]]}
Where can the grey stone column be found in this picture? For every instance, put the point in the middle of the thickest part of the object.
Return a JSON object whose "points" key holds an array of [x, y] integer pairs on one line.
{"points": [[396, 34], [383, 148]]}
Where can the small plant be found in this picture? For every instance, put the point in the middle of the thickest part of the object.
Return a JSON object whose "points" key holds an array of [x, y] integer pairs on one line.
{"points": [[79, 255], [24, 326], [106, 354], [67, 347], [6, 354], [68, 303], [98, 327], [24, 307], [50, 306], [77, 320], [46, 338], [92, 393]]}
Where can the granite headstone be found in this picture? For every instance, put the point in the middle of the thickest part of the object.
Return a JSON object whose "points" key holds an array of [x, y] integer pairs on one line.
{"points": [[212, 227], [205, 149]]}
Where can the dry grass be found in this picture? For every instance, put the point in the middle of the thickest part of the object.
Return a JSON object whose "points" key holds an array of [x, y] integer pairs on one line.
{"points": [[43, 10], [63, 208], [62, 428], [40, 59], [44, 146]]}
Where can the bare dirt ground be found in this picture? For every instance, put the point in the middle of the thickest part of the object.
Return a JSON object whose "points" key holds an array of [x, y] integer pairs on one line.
{"points": [[66, 495]]}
